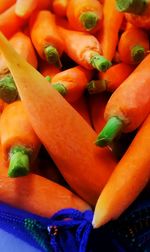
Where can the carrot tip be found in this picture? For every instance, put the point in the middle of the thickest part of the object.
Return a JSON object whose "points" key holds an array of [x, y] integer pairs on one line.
{"points": [[134, 6], [96, 86], [8, 90], [100, 63], [60, 88], [52, 56], [137, 53], [89, 20], [109, 132]]}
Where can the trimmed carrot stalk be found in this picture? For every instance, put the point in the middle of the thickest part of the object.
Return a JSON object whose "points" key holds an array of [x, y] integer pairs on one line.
{"points": [[111, 79], [8, 90], [135, 6], [111, 25], [129, 178], [59, 7], [10, 23], [85, 15], [74, 81], [35, 194], [61, 129], [19, 143], [48, 70], [84, 49], [4, 5], [50, 45], [133, 45], [129, 105]]}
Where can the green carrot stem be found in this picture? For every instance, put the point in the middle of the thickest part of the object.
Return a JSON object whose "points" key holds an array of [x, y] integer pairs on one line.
{"points": [[96, 86], [110, 131], [60, 88], [99, 62], [8, 90], [48, 78], [137, 53], [89, 20], [52, 56], [131, 6], [19, 161]]}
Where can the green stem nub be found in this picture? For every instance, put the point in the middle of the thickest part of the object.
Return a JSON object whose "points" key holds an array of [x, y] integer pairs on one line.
{"points": [[60, 88], [100, 63], [89, 20], [52, 56], [19, 162], [131, 6], [109, 132], [96, 86], [137, 53], [8, 90], [48, 78]]}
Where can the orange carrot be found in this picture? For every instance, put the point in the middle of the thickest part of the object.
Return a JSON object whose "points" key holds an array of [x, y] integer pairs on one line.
{"points": [[66, 135], [59, 7], [72, 82], [37, 194], [50, 45], [2, 105], [111, 24], [129, 105], [10, 22], [19, 142], [48, 70], [128, 179], [111, 79], [85, 15], [133, 45], [4, 5], [84, 49]]}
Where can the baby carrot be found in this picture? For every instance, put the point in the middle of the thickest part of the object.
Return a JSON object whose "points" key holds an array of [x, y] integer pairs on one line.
{"points": [[84, 49], [85, 15], [59, 7], [133, 45], [66, 135], [129, 178], [2, 105], [37, 194], [72, 82], [129, 105], [111, 25], [50, 45], [48, 70], [19, 142], [111, 79], [10, 22], [4, 5]]}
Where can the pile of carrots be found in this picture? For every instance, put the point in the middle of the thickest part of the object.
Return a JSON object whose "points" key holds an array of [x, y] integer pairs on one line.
{"points": [[74, 77]]}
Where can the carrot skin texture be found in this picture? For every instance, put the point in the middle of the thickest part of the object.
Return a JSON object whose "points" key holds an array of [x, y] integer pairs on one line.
{"points": [[65, 142], [48, 70], [4, 5], [59, 7], [127, 180]]}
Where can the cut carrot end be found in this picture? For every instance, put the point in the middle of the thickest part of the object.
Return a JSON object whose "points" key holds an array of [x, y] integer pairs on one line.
{"points": [[8, 90], [137, 53], [100, 63], [48, 78], [60, 88], [134, 6], [96, 86], [19, 162], [52, 56], [109, 132], [89, 20]]}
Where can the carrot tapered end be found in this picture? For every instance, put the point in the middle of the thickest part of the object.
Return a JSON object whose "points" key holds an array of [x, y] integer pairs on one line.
{"points": [[134, 6], [89, 20]]}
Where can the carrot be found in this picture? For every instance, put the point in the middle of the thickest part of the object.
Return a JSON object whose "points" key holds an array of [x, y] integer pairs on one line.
{"points": [[111, 79], [4, 5], [66, 135], [37, 194], [50, 45], [10, 22], [111, 25], [2, 105], [133, 45], [19, 142], [48, 70], [72, 82], [128, 179], [8, 90], [59, 7], [129, 105], [84, 49], [85, 15]]}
